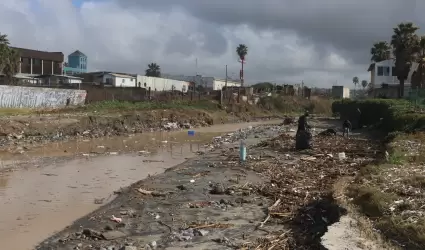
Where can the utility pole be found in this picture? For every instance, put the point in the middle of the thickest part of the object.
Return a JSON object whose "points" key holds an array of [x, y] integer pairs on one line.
{"points": [[226, 77]]}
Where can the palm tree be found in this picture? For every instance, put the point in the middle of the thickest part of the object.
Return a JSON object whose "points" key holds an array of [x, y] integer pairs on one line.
{"points": [[380, 51], [364, 84], [153, 70], [403, 42], [355, 81], [9, 59], [242, 51]]}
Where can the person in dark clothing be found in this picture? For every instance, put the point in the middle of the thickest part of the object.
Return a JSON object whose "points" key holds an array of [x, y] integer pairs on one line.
{"points": [[303, 136], [303, 123], [346, 127]]}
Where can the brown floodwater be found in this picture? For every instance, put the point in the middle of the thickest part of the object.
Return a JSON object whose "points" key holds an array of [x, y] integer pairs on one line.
{"points": [[40, 199]]}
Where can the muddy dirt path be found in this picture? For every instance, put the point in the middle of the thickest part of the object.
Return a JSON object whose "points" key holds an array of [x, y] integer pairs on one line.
{"points": [[60, 182]]}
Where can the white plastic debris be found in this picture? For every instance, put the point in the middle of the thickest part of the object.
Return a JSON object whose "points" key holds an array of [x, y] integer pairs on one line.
{"points": [[341, 156], [192, 181]]}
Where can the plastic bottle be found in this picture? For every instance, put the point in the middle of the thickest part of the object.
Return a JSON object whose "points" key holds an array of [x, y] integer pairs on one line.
{"points": [[242, 151]]}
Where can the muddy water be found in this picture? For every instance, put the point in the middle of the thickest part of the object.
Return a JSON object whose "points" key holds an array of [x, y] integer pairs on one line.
{"points": [[39, 200]]}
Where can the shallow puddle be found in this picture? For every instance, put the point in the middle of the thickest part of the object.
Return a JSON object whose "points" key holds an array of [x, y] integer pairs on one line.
{"points": [[39, 200]]}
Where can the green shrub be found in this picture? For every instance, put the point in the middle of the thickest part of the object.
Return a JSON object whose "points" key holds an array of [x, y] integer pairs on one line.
{"points": [[393, 114]]}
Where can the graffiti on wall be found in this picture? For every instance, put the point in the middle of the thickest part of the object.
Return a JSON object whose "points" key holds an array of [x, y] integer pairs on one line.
{"points": [[33, 97]]}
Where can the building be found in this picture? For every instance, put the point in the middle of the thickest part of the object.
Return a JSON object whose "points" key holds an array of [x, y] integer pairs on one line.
{"points": [[52, 80], [162, 84], [119, 80], [35, 62], [77, 63], [340, 92], [209, 83], [384, 72]]}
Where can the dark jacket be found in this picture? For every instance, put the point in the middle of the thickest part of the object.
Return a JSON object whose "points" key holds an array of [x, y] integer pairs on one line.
{"points": [[347, 124], [302, 123]]}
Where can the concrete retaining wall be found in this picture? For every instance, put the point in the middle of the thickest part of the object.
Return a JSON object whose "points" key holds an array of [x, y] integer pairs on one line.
{"points": [[33, 97]]}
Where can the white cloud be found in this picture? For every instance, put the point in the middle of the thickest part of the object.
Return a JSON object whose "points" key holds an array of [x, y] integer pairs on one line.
{"points": [[127, 40]]}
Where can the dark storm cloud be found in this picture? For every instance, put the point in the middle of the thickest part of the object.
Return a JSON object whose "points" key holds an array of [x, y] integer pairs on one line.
{"points": [[350, 27], [180, 44]]}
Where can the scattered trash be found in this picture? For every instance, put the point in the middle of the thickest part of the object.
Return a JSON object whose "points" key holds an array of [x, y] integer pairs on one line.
{"points": [[341, 156], [192, 181], [116, 219]]}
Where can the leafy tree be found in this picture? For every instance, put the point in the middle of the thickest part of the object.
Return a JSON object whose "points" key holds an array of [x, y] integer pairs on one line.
{"points": [[380, 51], [404, 42], [153, 70], [9, 59], [364, 84], [242, 51], [418, 76], [355, 81], [263, 86]]}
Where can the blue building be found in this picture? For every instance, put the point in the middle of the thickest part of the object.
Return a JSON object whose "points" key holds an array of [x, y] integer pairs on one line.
{"points": [[77, 63]]}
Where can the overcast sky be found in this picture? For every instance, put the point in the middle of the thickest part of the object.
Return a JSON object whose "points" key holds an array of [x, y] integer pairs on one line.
{"points": [[321, 42]]}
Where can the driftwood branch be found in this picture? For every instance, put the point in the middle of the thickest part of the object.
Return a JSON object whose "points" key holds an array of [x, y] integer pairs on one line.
{"points": [[269, 213]]}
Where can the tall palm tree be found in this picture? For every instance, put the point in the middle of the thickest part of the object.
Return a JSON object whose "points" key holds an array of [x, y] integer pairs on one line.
{"points": [[364, 84], [380, 51], [242, 51], [153, 70], [355, 81], [403, 42]]}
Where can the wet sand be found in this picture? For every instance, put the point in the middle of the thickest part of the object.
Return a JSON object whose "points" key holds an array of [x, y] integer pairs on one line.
{"points": [[39, 200]]}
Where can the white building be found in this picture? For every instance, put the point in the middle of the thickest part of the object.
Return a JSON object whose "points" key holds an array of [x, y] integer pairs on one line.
{"points": [[210, 83], [383, 72], [162, 84], [119, 80], [340, 92]]}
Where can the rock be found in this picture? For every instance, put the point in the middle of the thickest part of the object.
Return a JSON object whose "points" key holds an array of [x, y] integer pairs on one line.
{"points": [[200, 232], [91, 233], [148, 247], [182, 187], [129, 248], [153, 244], [217, 189], [111, 235], [109, 228]]}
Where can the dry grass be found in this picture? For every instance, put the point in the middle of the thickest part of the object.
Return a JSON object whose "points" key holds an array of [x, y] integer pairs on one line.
{"points": [[16, 111], [392, 194]]}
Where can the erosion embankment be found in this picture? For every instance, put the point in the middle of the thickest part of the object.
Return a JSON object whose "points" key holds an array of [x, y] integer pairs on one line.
{"points": [[390, 192], [23, 127]]}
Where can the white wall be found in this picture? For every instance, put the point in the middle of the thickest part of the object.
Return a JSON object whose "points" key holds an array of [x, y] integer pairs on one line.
{"points": [[73, 81], [387, 76], [220, 84], [162, 84], [117, 81]]}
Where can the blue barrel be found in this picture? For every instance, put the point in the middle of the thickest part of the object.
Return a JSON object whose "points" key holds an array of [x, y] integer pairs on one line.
{"points": [[191, 133]]}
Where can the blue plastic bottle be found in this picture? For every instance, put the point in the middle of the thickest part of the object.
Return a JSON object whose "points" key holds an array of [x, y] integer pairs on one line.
{"points": [[242, 151]]}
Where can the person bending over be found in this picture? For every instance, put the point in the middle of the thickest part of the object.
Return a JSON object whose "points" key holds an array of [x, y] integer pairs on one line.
{"points": [[346, 128]]}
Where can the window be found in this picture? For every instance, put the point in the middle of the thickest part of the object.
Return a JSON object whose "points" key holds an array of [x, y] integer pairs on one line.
{"points": [[380, 71], [36, 61], [394, 72], [123, 81], [386, 71]]}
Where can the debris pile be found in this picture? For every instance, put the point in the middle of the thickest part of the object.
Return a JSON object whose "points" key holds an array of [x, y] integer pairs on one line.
{"points": [[305, 185]]}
